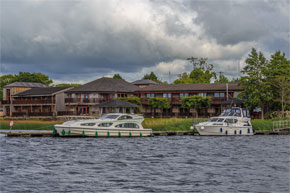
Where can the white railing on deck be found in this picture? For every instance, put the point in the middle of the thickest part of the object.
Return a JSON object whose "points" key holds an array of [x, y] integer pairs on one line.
{"points": [[280, 125]]}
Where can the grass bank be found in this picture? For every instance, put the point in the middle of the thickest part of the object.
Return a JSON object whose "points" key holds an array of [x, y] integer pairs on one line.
{"points": [[167, 124], [29, 124]]}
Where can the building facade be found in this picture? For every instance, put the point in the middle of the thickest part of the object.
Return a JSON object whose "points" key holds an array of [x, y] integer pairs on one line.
{"points": [[83, 100], [47, 101], [14, 88], [218, 92]]}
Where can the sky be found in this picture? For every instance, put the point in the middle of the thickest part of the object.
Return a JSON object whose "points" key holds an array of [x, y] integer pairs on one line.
{"points": [[76, 41]]}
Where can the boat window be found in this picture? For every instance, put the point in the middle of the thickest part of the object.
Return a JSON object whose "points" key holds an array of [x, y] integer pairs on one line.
{"points": [[105, 124], [220, 120], [88, 124], [213, 119], [128, 125], [124, 117], [109, 117]]}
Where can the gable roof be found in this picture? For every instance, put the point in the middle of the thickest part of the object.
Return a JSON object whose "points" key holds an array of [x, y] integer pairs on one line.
{"points": [[26, 84], [190, 87], [138, 82], [106, 85], [116, 103], [41, 91]]}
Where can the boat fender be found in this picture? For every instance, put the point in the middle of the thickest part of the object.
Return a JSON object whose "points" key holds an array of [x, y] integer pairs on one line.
{"points": [[119, 133], [108, 134], [240, 132], [96, 133], [226, 132], [140, 134], [54, 132], [202, 127], [235, 132], [221, 130], [83, 134], [63, 132], [130, 134], [68, 132], [249, 131]]}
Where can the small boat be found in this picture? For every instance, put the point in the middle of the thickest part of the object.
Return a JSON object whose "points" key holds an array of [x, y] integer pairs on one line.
{"points": [[109, 125], [232, 121]]}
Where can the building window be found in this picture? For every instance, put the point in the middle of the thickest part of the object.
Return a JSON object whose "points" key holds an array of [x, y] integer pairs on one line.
{"points": [[150, 95], [202, 94], [183, 95], [219, 94], [166, 95]]}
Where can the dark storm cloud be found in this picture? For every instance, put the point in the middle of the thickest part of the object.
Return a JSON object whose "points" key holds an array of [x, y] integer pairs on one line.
{"points": [[230, 22], [78, 39]]}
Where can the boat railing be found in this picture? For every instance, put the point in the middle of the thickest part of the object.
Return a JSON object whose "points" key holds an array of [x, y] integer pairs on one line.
{"points": [[280, 125]]}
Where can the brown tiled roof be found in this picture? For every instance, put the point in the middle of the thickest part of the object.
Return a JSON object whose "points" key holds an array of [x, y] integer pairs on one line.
{"points": [[41, 91], [116, 103], [190, 87], [26, 84], [106, 85]]}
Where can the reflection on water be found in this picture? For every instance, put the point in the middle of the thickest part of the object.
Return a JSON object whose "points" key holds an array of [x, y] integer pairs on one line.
{"points": [[158, 164]]}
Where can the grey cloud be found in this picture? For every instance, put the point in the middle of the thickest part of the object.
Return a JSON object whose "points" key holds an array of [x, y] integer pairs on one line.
{"points": [[95, 38], [230, 22]]}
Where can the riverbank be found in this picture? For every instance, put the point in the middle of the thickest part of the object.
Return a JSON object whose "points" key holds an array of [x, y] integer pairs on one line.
{"points": [[166, 124]]}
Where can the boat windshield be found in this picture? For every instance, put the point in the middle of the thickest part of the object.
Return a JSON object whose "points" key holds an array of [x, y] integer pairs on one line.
{"points": [[109, 117], [213, 120], [231, 112]]}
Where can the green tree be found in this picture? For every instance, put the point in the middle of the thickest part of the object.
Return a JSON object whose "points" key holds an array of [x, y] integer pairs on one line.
{"points": [[184, 79], [117, 76], [256, 91], [67, 84], [196, 102], [222, 79], [159, 103], [152, 76], [33, 77], [278, 76], [202, 72]]}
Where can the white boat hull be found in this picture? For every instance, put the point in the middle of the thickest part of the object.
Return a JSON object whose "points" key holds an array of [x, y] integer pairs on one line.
{"points": [[88, 132], [224, 130]]}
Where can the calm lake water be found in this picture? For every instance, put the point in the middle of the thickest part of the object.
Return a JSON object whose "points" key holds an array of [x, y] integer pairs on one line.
{"points": [[158, 164]]}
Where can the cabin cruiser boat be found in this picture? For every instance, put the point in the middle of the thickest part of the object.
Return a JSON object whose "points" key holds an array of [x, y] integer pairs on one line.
{"points": [[109, 125], [232, 121]]}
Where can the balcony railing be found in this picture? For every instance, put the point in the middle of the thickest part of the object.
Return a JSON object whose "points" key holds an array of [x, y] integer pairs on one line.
{"points": [[36, 101], [177, 100], [89, 100]]}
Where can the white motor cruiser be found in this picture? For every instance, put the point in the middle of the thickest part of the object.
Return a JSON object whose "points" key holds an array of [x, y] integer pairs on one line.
{"points": [[232, 121], [109, 125]]}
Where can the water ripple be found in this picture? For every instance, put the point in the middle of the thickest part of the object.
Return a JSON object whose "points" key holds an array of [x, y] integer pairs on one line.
{"points": [[159, 164]]}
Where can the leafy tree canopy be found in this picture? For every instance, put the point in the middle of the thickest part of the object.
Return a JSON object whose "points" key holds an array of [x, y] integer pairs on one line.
{"points": [[202, 72], [117, 76], [222, 79], [195, 102], [159, 103], [152, 76], [67, 84], [256, 91]]}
